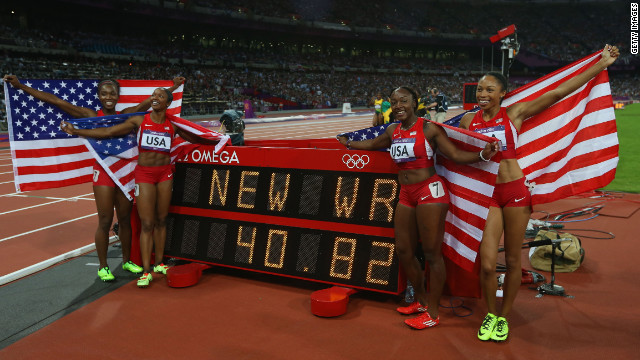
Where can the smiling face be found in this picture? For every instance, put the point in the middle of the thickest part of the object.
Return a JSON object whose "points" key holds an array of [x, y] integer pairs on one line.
{"points": [[108, 96], [403, 104], [490, 92], [160, 99]]}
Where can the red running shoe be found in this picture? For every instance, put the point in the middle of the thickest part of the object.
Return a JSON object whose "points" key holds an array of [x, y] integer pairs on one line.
{"points": [[413, 308], [423, 321]]}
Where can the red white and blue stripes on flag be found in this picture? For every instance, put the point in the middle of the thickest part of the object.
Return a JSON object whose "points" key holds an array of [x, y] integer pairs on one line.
{"points": [[572, 147], [45, 157]]}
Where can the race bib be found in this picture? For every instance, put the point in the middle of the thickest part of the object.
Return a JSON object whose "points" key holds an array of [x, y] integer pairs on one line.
{"points": [[437, 190], [497, 132], [96, 175], [156, 141], [402, 150]]}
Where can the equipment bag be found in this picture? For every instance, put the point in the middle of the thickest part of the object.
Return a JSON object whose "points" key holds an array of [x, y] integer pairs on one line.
{"points": [[569, 254]]}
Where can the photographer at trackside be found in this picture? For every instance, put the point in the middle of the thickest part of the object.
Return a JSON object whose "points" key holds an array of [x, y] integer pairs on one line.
{"points": [[440, 104]]}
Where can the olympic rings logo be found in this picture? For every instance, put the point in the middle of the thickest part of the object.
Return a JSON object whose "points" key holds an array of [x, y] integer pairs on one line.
{"points": [[355, 161]]}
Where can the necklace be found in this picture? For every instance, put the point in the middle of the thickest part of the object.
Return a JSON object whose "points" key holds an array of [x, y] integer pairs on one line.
{"points": [[402, 127]]}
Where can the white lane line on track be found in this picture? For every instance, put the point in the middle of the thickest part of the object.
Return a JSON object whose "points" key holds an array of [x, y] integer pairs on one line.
{"points": [[8, 172], [75, 198], [49, 262], [47, 227], [7, 165], [6, 182]]}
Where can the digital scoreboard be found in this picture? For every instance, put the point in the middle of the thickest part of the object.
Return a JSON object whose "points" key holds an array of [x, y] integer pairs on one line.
{"points": [[323, 215]]}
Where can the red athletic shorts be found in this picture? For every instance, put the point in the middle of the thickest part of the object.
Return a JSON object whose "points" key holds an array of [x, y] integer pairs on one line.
{"points": [[432, 190], [511, 194], [153, 174], [100, 177]]}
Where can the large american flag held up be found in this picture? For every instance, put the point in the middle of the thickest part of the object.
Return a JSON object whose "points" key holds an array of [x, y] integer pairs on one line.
{"points": [[45, 157], [572, 147]]}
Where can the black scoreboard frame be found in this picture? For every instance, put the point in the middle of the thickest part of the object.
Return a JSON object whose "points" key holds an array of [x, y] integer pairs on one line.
{"points": [[323, 215]]}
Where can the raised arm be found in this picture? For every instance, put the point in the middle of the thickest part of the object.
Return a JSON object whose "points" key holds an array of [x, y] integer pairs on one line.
{"points": [[446, 146], [106, 132], [193, 138], [146, 104], [75, 111], [380, 142], [521, 111]]}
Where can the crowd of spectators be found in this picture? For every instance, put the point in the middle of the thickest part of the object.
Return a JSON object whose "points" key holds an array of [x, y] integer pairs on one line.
{"points": [[562, 30], [223, 76]]}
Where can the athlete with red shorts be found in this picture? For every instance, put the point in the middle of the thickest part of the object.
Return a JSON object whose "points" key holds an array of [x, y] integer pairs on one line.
{"points": [[107, 195], [424, 199], [153, 174], [510, 212], [514, 193]]}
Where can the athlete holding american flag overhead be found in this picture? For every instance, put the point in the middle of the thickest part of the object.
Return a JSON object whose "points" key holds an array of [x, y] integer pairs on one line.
{"points": [[510, 208], [107, 194]]}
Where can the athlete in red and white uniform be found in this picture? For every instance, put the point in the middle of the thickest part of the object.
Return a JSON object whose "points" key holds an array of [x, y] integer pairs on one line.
{"points": [[154, 137], [515, 192], [154, 174], [100, 177], [511, 210], [106, 194], [424, 200], [411, 150]]}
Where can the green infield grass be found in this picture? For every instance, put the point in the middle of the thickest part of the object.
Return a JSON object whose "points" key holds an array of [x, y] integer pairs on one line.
{"points": [[628, 120]]}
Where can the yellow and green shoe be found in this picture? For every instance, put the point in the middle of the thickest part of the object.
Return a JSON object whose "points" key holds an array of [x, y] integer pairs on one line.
{"points": [[161, 268], [144, 280], [501, 331], [486, 329], [105, 274], [131, 267]]}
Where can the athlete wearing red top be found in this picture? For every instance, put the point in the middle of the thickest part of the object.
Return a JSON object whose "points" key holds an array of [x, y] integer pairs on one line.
{"points": [[424, 202], [154, 137], [106, 194], [500, 127], [510, 213], [154, 180], [411, 150], [514, 192], [100, 177]]}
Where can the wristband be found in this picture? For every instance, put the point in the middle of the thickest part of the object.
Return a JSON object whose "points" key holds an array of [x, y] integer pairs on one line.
{"points": [[482, 158]]}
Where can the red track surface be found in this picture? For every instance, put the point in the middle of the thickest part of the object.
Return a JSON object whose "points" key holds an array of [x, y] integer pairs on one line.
{"points": [[252, 316]]}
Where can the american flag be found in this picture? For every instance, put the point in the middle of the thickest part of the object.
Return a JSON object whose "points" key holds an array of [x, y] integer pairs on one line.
{"points": [[470, 188], [117, 155], [572, 147], [45, 157]]}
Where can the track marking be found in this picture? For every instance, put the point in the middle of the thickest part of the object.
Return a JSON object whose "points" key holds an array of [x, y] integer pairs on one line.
{"points": [[49, 262], [47, 227], [48, 203]]}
